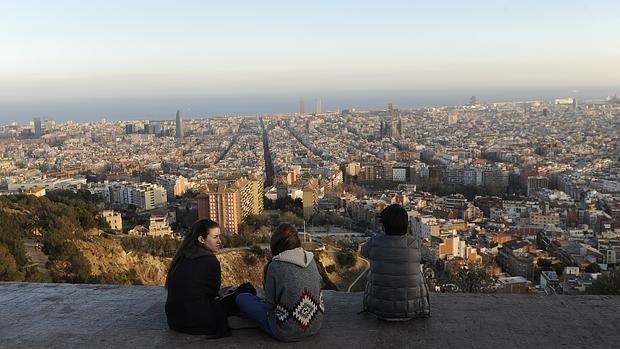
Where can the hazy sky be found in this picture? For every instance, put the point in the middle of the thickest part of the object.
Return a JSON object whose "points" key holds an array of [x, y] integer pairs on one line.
{"points": [[61, 51]]}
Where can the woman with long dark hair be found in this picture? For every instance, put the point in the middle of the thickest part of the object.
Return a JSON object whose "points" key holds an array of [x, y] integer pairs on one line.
{"points": [[293, 305], [193, 305]]}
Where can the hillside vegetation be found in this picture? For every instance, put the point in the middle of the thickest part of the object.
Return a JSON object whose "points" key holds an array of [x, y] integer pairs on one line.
{"points": [[80, 251]]}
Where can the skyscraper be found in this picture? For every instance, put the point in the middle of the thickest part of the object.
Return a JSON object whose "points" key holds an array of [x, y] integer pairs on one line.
{"points": [[302, 110], [38, 131], [130, 128], [180, 133], [157, 128], [317, 105]]}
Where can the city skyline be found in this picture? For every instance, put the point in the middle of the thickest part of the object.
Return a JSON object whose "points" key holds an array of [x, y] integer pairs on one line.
{"points": [[204, 107], [474, 143], [526, 193], [81, 53]]}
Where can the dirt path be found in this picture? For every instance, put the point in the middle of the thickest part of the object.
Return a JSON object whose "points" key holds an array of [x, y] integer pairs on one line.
{"points": [[38, 258], [361, 274]]}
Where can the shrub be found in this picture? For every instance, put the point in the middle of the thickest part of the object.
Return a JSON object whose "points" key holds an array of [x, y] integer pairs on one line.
{"points": [[607, 283], [257, 251], [345, 258], [250, 259], [8, 266], [158, 246]]}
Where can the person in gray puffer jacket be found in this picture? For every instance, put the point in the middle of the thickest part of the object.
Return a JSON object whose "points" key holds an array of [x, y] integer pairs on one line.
{"points": [[395, 287], [293, 306]]}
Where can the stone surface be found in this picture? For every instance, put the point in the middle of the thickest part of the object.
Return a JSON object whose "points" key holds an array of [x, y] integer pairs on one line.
{"points": [[101, 316]]}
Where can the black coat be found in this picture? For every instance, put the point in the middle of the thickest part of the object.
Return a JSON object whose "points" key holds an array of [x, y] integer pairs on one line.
{"points": [[193, 285]]}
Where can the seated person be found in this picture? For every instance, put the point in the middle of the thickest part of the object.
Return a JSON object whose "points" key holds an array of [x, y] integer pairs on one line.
{"points": [[293, 306], [395, 286], [193, 305]]}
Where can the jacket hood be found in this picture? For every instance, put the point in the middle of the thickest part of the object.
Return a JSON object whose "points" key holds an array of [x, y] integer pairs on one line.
{"points": [[297, 256], [197, 251]]}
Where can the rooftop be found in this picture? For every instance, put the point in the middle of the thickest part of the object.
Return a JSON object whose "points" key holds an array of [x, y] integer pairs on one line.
{"points": [[105, 316]]}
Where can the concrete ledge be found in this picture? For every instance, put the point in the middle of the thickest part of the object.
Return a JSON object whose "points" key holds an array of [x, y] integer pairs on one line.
{"points": [[102, 316]]}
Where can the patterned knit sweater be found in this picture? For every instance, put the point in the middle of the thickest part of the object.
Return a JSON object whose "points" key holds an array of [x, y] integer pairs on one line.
{"points": [[293, 294]]}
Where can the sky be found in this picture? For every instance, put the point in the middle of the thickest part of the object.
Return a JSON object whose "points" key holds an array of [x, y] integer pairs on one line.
{"points": [[133, 59]]}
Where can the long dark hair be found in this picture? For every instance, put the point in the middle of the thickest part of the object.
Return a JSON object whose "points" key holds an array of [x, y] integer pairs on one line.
{"points": [[200, 228], [284, 238]]}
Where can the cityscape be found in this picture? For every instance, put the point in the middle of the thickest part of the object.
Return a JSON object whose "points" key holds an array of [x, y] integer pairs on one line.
{"points": [[524, 193], [368, 174]]}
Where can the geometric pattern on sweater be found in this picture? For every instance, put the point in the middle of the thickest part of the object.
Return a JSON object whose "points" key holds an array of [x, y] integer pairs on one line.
{"points": [[303, 312], [281, 313]]}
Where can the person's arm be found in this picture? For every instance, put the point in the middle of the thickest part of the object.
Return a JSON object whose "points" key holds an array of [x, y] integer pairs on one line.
{"points": [[269, 257], [213, 275]]}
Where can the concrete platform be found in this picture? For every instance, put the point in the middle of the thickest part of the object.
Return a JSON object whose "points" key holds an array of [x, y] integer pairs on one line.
{"points": [[101, 316]]}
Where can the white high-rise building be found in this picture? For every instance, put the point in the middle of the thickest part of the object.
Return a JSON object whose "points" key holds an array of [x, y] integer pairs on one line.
{"points": [[150, 196]]}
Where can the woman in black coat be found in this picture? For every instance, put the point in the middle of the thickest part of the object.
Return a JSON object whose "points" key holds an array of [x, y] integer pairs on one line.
{"points": [[193, 305]]}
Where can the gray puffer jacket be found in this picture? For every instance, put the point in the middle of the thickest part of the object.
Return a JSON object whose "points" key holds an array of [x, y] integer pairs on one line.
{"points": [[395, 287]]}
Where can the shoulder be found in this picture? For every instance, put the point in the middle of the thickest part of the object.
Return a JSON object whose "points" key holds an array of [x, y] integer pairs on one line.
{"points": [[395, 242], [207, 260], [274, 270], [375, 239], [276, 266], [272, 267]]}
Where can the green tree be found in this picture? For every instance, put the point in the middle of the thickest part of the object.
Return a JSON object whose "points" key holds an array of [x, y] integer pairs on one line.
{"points": [[234, 240], [345, 258], [8, 266], [544, 264], [593, 268], [559, 268], [13, 228], [607, 283], [471, 280], [72, 265], [258, 251], [191, 193]]}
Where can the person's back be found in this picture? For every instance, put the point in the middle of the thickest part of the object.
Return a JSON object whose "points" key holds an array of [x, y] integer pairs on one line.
{"points": [[293, 289], [293, 306], [395, 287]]}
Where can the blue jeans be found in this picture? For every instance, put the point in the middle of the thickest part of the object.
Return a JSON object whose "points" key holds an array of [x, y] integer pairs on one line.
{"points": [[256, 309]]}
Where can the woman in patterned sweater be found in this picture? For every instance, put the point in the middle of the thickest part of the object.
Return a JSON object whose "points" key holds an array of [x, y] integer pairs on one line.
{"points": [[293, 306]]}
